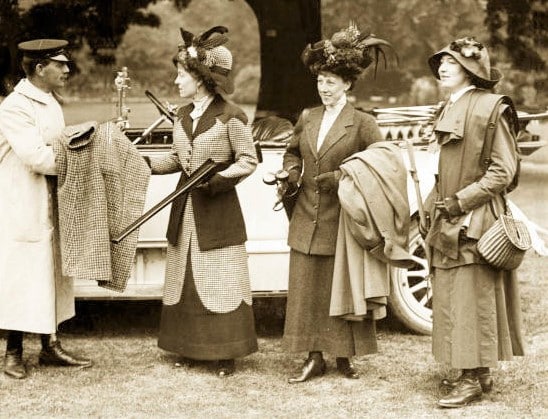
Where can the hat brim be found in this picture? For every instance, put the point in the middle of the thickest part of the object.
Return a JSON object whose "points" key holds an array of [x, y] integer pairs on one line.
{"points": [[435, 60], [223, 84]]}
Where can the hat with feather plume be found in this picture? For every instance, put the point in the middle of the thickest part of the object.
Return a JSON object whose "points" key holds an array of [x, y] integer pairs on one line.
{"points": [[347, 54], [207, 56]]}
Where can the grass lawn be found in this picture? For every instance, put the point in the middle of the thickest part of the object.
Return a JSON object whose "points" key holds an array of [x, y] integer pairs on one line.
{"points": [[134, 378]]}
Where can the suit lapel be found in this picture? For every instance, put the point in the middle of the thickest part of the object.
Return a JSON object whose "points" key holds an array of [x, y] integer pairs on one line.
{"points": [[338, 130], [207, 120], [312, 126], [186, 120]]}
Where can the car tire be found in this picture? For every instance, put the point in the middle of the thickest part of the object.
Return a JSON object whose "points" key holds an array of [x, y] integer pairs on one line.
{"points": [[411, 292]]}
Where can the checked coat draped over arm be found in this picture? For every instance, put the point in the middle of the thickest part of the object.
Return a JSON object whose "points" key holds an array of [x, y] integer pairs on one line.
{"points": [[102, 182], [210, 226]]}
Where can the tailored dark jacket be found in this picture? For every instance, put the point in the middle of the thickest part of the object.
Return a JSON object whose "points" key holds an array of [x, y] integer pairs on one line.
{"points": [[222, 135], [315, 220]]}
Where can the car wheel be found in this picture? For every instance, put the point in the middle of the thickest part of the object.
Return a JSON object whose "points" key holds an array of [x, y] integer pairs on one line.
{"points": [[411, 292]]}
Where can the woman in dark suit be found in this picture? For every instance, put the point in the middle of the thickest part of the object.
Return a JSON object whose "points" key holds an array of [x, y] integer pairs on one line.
{"points": [[207, 313], [323, 138]]}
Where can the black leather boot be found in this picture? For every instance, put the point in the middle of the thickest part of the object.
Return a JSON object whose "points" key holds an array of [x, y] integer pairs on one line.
{"points": [[346, 368], [53, 354], [467, 390], [314, 366], [483, 375], [225, 367], [13, 361]]}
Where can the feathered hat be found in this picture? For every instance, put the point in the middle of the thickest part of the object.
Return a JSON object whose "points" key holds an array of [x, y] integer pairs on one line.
{"points": [[206, 55], [348, 53], [473, 56]]}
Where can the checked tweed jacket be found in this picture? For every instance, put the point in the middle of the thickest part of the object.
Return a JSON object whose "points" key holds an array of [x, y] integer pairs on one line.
{"points": [[102, 182], [212, 232]]}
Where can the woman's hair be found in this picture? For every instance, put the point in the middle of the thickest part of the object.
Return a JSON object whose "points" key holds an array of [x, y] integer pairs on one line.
{"points": [[29, 64], [190, 66]]}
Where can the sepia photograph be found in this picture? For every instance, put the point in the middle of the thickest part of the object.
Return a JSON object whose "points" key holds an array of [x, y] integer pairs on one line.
{"points": [[273, 208]]}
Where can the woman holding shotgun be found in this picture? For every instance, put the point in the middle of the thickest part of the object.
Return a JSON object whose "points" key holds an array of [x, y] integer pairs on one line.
{"points": [[207, 313]]}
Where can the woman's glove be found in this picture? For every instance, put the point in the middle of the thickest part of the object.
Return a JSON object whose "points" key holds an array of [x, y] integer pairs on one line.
{"points": [[449, 207], [217, 184], [328, 181], [293, 179]]}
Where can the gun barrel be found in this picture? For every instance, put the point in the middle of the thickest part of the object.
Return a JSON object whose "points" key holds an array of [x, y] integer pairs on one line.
{"points": [[197, 177]]}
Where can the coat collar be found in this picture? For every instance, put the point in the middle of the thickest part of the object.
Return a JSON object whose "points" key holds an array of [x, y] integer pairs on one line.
{"points": [[206, 121], [26, 88], [452, 123], [338, 130], [314, 120]]}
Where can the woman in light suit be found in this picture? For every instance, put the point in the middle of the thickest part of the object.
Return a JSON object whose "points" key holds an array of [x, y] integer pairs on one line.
{"points": [[207, 313], [324, 136]]}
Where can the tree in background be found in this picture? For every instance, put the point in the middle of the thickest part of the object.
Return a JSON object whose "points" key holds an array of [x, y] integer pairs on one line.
{"points": [[110, 38]]}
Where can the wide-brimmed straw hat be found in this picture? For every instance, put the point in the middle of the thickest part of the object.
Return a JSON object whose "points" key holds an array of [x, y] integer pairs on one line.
{"points": [[473, 56], [347, 54], [206, 55]]}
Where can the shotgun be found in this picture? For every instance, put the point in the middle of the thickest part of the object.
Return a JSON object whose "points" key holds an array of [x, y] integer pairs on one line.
{"points": [[200, 175]]}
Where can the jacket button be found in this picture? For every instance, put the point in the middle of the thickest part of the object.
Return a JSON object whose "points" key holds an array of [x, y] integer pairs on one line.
{"points": [[314, 222], [317, 191]]}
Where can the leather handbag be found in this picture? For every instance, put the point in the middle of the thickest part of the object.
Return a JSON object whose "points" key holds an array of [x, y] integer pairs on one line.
{"points": [[504, 244]]}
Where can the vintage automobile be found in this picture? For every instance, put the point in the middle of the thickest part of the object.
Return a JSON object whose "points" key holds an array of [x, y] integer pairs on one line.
{"points": [[410, 298]]}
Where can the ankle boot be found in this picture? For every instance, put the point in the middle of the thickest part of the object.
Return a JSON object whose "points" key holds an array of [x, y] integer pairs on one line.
{"points": [[314, 366], [53, 354], [485, 379], [345, 367], [466, 390], [13, 364], [483, 374], [225, 367], [13, 360]]}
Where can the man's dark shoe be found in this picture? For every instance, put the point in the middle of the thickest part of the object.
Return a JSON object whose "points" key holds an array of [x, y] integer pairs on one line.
{"points": [[13, 364], [54, 354], [466, 391], [484, 377], [313, 367], [346, 368]]}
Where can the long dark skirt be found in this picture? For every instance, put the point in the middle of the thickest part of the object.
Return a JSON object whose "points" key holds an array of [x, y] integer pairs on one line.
{"points": [[477, 316], [192, 331], [308, 326]]}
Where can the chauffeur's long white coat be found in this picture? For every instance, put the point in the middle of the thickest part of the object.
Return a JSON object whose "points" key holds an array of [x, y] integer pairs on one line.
{"points": [[31, 298]]}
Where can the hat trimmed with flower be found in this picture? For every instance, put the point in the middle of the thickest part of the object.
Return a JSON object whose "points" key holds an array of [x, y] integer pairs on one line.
{"points": [[347, 54], [205, 55], [471, 55]]}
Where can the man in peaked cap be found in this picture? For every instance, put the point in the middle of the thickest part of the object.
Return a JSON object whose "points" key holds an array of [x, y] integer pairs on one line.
{"points": [[34, 295]]}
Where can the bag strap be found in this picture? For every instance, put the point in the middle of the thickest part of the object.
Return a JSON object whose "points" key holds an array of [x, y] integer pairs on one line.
{"points": [[491, 126]]}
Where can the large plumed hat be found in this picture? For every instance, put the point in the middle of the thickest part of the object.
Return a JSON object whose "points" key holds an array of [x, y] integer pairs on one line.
{"points": [[473, 56], [348, 53], [206, 55]]}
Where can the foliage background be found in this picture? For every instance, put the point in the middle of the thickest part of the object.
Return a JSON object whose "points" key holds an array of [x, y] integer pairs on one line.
{"points": [[146, 33]]}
